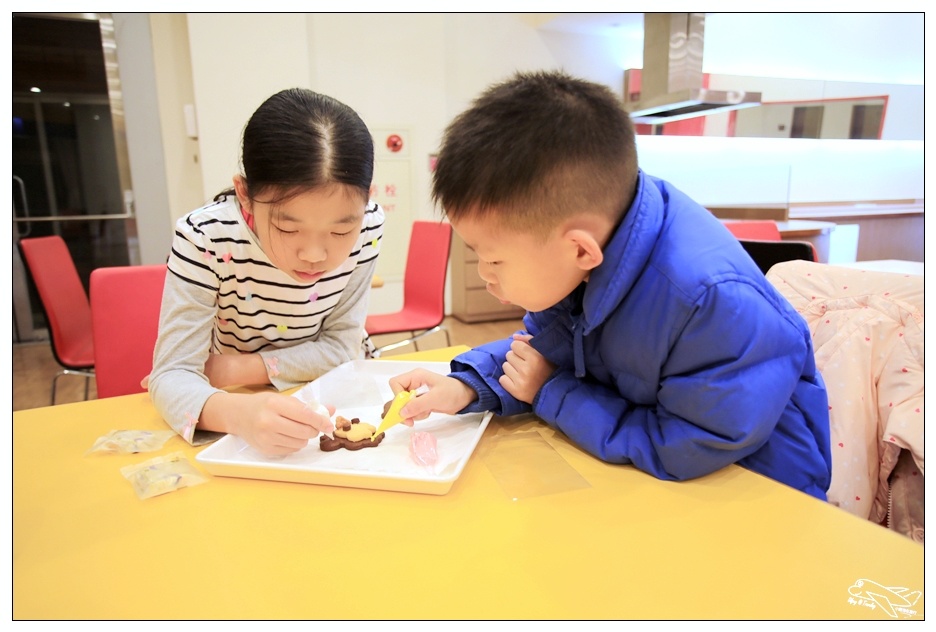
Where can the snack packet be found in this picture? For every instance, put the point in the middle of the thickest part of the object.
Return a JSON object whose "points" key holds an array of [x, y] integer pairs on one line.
{"points": [[162, 475], [131, 441]]}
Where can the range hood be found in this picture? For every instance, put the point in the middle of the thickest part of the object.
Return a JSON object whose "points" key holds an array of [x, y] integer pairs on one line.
{"points": [[671, 79]]}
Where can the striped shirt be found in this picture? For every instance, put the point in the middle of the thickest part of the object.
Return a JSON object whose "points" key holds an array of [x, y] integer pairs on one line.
{"points": [[259, 306], [224, 295]]}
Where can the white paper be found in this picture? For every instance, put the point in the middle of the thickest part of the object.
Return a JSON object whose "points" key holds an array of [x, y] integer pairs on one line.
{"points": [[360, 389]]}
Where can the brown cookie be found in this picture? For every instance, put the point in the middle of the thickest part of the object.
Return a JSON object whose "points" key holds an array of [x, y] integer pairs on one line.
{"points": [[342, 425]]}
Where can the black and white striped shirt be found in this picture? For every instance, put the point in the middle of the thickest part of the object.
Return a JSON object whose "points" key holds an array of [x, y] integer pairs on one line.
{"points": [[259, 306], [224, 295]]}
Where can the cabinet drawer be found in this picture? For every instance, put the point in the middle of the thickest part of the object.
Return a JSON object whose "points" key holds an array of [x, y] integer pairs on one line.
{"points": [[471, 279]]}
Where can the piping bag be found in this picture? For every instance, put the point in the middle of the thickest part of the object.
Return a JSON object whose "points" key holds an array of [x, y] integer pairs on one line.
{"points": [[393, 417], [319, 408]]}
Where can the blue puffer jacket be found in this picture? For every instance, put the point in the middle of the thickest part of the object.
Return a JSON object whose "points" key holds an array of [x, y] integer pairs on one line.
{"points": [[677, 356]]}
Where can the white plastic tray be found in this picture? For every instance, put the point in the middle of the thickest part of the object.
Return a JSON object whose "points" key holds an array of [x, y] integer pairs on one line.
{"points": [[360, 389]]}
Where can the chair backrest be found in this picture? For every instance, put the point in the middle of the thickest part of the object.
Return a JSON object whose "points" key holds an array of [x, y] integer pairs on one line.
{"points": [[766, 254], [427, 266], [125, 304], [64, 300], [765, 230]]}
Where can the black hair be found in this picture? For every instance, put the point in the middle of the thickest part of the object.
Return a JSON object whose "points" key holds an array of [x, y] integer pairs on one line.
{"points": [[298, 140], [536, 149]]}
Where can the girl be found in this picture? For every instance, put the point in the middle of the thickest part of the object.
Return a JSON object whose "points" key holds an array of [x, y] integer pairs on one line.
{"points": [[268, 284]]}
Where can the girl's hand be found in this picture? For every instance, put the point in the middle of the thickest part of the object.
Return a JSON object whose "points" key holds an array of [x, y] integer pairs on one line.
{"points": [[273, 424], [446, 394], [526, 370]]}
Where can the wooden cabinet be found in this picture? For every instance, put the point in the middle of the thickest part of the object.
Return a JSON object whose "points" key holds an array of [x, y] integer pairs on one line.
{"points": [[471, 303]]}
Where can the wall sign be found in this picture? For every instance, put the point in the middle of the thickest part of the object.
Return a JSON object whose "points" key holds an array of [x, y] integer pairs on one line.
{"points": [[392, 189]]}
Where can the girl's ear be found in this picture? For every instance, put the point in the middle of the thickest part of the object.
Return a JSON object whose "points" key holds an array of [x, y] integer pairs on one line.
{"points": [[587, 250], [240, 189]]}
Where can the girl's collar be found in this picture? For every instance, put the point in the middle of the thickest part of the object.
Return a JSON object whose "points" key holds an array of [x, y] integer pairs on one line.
{"points": [[248, 219]]}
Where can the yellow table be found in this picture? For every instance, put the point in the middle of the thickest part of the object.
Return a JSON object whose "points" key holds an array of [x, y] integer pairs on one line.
{"points": [[502, 544]]}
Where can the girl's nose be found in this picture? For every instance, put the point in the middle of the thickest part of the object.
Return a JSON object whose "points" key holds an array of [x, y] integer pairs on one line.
{"points": [[312, 253]]}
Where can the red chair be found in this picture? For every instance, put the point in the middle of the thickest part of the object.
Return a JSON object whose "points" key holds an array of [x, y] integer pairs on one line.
{"points": [[125, 304], [65, 304], [764, 230], [423, 288], [757, 230]]}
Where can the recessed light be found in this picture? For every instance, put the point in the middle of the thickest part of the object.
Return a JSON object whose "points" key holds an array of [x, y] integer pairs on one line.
{"points": [[35, 89]]}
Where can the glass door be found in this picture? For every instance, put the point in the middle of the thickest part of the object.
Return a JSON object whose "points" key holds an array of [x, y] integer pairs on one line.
{"points": [[70, 168]]}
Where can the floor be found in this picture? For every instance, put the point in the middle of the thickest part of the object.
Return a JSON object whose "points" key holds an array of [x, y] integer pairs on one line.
{"points": [[34, 366]]}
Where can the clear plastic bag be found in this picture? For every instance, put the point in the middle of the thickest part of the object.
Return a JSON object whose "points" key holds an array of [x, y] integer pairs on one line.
{"points": [[162, 475], [131, 441], [423, 448]]}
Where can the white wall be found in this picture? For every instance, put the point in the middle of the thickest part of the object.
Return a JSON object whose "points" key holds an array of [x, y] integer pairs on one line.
{"points": [[718, 171], [238, 60], [861, 47], [174, 90], [390, 70]]}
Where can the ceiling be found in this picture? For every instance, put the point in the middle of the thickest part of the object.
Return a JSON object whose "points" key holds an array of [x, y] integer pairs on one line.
{"points": [[879, 47], [63, 56], [863, 47], [594, 23]]}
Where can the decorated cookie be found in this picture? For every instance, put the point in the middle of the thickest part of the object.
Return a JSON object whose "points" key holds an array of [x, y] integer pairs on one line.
{"points": [[350, 434]]}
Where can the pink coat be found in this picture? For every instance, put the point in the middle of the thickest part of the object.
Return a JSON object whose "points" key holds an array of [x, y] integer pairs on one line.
{"points": [[867, 330]]}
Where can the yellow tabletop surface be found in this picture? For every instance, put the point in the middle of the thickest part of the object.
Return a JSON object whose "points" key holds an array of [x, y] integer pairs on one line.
{"points": [[534, 528]]}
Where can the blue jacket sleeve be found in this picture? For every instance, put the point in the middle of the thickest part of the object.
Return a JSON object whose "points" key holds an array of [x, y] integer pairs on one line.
{"points": [[729, 375], [481, 368]]}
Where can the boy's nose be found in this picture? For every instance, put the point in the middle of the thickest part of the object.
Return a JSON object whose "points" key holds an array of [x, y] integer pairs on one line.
{"points": [[484, 272]]}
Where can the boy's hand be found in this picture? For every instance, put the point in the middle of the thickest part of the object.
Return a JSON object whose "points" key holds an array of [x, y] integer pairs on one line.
{"points": [[446, 394], [526, 370], [274, 424]]}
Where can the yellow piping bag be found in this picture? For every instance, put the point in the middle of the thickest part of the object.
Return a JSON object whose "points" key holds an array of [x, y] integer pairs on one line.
{"points": [[393, 417]]}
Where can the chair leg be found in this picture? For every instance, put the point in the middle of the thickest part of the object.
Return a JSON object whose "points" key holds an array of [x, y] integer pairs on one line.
{"points": [[413, 340], [54, 382], [87, 375]]}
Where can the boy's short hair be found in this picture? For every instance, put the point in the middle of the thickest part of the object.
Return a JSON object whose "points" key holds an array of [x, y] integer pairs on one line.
{"points": [[538, 148]]}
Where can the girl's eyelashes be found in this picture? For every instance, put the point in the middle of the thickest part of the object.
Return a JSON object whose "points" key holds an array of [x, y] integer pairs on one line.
{"points": [[293, 232]]}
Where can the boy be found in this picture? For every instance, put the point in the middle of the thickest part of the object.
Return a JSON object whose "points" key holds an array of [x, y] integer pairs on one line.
{"points": [[651, 337]]}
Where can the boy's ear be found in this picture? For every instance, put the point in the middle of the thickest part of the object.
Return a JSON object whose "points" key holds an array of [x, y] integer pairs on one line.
{"points": [[588, 253]]}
